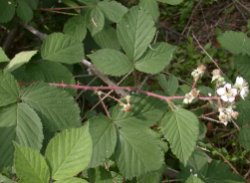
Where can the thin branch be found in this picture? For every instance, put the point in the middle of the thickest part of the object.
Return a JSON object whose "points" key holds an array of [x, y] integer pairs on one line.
{"points": [[207, 54], [129, 89], [62, 8], [34, 31]]}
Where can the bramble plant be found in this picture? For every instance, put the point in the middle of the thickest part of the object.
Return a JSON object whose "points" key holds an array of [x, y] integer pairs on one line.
{"points": [[98, 100]]}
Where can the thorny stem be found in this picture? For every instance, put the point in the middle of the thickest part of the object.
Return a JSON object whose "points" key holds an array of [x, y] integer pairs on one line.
{"points": [[129, 89]]}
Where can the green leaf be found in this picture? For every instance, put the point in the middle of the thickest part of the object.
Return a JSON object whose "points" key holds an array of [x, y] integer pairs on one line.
{"points": [[24, 11], [151, 177], [76, 27], [4, 179], [151, 7], [145, 111], [71, 180], [62, 48], [135, 32], [169, 86], [111, 62], [3, 56], [113, 10], [100, 175], [219, 172], [104, 137], [7, 10], [171, 2], [242, 63], [18, 123], [20, 59], [243, 107], [56, 107], [194, 179], [156, 58], [96, 21], [138, 152], [69, 152], [235, 42], [181, 128], [244, 137], [30, 165], [32, 3], [46, 71], [9, 89], [107, 38]]}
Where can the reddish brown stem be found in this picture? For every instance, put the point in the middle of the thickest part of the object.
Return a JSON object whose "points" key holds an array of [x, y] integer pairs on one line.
{"points": [[129, 88]]}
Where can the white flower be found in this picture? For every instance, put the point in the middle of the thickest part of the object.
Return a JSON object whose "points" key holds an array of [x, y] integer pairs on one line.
{"points": [[198, 73], [189, 97], [227, 114], [242, 86], [227, 93]]}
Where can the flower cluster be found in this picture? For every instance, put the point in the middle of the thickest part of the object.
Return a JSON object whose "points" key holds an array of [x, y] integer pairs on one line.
{"points": [[126, 107], [227, 93]]}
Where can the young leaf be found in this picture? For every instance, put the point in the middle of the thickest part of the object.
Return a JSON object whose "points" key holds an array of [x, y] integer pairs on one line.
{"points": [[96, 21], [9, 89], [56, 107], [18, 123], [104, 137], [69, 152], [3, 56], [244, 137], [20, 59], [62, 48], [138, 152], [7, 10], [30, 165], [156, 58], [107, 38], [76, 27], [113, 10], [235, 42], [151, 6], [181, 128], [111, 62], [24, 11], [135, 32], [169, 86], [71, 180]]}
